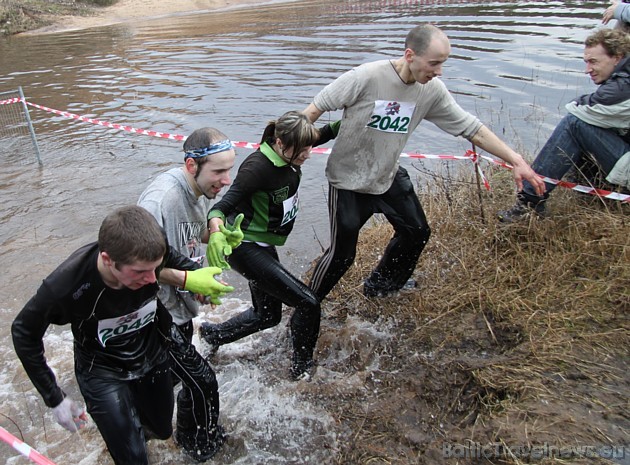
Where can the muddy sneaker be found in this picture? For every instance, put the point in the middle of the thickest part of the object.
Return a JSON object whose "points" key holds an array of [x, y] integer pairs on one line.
{"points": [[208, 333], [520, 212], [371, 291], [201, 452]]}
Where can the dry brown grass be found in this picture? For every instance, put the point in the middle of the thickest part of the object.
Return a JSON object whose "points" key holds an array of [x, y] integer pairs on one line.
{"points": [[517, 334]]}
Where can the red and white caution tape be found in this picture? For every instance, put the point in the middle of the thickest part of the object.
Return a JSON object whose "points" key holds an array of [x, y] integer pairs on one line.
{"points": [[589, 190], [470, 155], [23, 448], [571, 185], [10, 101], [122, 127]]}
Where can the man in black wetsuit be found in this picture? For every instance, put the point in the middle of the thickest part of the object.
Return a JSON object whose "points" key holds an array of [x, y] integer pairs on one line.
{"points": [[107, 291]]}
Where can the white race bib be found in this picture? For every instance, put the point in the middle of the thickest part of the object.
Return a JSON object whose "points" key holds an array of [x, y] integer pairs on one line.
{"points": [[290, 207], [391, 116], [126, 324]]}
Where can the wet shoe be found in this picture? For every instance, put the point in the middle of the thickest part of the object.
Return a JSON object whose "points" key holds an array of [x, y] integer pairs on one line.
{"points": [[371, 291], [201, 452], [302, 370], [209, 334], [520, 212]]}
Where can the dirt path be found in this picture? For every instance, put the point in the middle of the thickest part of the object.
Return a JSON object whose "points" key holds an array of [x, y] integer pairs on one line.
{"points": [[129, 10]]}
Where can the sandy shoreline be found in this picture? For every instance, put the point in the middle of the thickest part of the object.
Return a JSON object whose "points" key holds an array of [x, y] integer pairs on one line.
{"points": [[130, 10]]}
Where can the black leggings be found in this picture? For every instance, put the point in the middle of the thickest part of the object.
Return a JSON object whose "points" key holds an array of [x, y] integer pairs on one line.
{"points": [[125, 410], [271, 285], [349, 211], [198, 400]]}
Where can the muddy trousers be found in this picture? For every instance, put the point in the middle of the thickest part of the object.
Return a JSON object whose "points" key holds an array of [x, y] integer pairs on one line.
{"points": [[128, 412], [198, 399], [349, 211], [271, 285]]}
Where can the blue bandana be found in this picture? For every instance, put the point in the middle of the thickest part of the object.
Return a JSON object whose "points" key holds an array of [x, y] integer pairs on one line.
{"points": [[217, 147]]}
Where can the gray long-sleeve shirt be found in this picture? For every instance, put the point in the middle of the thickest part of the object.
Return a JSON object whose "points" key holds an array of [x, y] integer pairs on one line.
{"points": [[183, 215]]}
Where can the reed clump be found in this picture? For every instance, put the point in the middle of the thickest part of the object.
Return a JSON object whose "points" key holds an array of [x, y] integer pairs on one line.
{"points": [[516, 336]]}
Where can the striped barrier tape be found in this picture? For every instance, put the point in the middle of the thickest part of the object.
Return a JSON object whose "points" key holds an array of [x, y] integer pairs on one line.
{"points": [[24, 449], [469, 155], [121, 127], [571, 185]]}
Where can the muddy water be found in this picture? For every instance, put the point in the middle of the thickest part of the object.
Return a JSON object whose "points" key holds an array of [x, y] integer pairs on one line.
{"points": [[515, 64]]}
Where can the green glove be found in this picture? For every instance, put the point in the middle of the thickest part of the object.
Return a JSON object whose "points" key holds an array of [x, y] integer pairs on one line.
{"points": [[233, 233], [218, 248], [222, 242], [202, 282]]}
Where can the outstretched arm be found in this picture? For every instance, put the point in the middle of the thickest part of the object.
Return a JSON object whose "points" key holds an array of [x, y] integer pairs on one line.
{"points": [[312, 112], [488, 141]]}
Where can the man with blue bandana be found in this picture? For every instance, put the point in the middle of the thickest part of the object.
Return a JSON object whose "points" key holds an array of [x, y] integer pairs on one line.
{"points": [[180, 201]]}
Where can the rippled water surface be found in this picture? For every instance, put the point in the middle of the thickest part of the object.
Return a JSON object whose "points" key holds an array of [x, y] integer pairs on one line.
{"points": [[515, 64]]}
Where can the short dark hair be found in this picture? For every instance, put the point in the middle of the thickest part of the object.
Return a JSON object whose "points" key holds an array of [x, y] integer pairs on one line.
{"points": [[131, 234], [615, 41], [419, 38]]}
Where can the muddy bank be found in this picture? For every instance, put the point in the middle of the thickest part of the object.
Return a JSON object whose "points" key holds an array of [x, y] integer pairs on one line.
{"points": [[513, 349], [49, 16]]}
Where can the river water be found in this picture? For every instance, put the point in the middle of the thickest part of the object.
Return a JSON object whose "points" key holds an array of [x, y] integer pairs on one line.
{"points": [[515, 64]]}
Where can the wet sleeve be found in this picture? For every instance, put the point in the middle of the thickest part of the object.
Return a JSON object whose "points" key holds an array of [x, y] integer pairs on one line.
{"points": [[178, 261], [447, 115], [342, 92], [28, 331], [248, 180], [328, 133], [622, 12]]}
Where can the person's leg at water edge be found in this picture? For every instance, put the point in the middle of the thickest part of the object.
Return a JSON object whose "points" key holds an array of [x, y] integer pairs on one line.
{"points": [[125, 411], [271, 285], [570, 142], [348, 212], [249, 259], [401, 207], [197, 430]]}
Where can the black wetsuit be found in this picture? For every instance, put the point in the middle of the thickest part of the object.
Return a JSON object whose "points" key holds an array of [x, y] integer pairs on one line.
{"points": [[120, 350], [265, 190]]}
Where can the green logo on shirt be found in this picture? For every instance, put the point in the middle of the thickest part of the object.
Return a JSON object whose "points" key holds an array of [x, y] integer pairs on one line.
{"points": [[280, 195]]}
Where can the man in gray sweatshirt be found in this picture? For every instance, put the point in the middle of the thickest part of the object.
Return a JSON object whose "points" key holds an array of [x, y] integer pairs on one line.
{"points": [[383, 102]]}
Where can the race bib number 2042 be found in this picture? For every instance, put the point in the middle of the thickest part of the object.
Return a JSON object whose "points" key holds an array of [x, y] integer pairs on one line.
{"points": [[391, 116], [126, 324]]}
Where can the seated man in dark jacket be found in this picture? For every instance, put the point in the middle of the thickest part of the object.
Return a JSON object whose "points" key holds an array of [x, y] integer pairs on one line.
{"points": [[107, 292], [597, 125]]}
